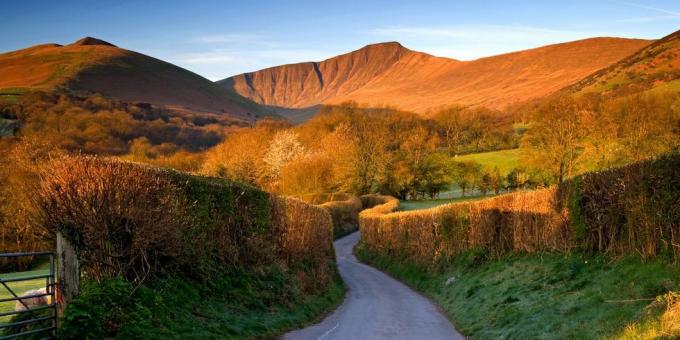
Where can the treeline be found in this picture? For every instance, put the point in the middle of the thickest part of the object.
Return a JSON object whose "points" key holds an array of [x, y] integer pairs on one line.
{"points": [[569, 136], [94, 124], [349, 148]]}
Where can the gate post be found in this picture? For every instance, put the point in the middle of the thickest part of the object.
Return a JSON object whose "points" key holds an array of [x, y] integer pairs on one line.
{"points": [[68, 271]]}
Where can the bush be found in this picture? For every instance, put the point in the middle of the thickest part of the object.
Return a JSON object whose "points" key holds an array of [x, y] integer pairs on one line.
{"points": [[345, 214], [137, 221]]}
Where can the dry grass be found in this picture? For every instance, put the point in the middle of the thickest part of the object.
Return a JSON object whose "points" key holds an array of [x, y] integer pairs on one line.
{"points": [[663, 322]]}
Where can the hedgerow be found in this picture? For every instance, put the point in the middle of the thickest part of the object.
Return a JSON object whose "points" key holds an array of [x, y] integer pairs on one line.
{"points": [[629, 210]]}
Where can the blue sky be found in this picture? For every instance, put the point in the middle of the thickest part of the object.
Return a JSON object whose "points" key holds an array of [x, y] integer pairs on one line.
{"points": [[218, 39]]}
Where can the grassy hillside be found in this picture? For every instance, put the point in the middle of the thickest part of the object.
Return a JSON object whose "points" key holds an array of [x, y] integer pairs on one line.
{"points": [[388, 73], [96, 66], [656, 66]]}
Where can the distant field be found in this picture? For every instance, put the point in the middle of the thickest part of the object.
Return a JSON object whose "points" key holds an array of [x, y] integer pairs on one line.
{"points": [[20, 287], [505, 160], [427, 204]]}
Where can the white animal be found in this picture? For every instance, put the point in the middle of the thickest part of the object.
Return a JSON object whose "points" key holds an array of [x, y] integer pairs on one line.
{"points": [[30, 299]]}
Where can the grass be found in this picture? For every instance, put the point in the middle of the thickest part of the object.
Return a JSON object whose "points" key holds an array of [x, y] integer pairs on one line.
{"points": [[21, 286], [247, 304], [542, 296], [505, 160]]}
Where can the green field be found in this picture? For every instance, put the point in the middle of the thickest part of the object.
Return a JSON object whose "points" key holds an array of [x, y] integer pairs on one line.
{"points": [[505, 160], [427, 204], [544, 296], [21, 287]]}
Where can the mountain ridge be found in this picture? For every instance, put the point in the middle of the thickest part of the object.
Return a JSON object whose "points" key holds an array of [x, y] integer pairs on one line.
{"points": [[94, 65], [419, 82]]}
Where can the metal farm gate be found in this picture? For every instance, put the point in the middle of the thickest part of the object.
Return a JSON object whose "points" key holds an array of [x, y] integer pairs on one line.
{"points": [[37, 320]]}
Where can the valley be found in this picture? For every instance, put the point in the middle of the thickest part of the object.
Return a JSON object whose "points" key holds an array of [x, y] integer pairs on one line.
{"points": [[382, 193]]}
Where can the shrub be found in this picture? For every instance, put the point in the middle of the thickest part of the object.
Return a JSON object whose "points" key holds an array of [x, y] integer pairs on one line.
{"points": [[344, 213], [137, 221]]}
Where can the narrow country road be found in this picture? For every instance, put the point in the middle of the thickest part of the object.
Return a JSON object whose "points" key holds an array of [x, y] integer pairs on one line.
{"points": [[376, 307]]}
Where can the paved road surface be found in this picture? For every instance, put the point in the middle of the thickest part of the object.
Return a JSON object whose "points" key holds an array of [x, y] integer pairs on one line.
{"points": [[376, 307]]}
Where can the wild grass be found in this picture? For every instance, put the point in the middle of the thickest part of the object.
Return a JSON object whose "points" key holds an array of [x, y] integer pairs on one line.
{"points": [[242, 304], [556, 296]]}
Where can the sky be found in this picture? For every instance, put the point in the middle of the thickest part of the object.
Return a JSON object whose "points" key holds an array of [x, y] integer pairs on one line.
{"points": [[218, 39]]}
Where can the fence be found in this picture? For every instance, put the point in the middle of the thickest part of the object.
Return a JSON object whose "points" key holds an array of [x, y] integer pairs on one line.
{"points": [[29, 314]]}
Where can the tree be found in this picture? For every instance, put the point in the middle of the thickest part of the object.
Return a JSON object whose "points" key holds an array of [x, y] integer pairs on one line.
{"points": [[284, 148], [452, 127], [496, 180], [554, 142], [517, 178], [437, 174], [467, 175]]}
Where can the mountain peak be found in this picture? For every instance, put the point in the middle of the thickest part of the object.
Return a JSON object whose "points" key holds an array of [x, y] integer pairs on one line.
{"points": [[385, 46], [88, 41]]}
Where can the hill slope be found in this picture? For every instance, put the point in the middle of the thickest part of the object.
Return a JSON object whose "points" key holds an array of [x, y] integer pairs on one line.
{"points": [[97, 66], [389, 73], [657, 66]]}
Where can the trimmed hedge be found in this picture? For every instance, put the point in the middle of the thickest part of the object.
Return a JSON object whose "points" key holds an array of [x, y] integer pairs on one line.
{"points": [[136, 221], [629, 210], [344, 212]]}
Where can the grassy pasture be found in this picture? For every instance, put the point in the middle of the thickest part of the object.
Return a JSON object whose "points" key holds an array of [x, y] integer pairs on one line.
{"points": [[21, 286], [505, 160]]}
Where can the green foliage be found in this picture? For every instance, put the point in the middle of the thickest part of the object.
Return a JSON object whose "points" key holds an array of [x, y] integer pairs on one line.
{"points": [[574, 200], [258, 302], [538, 296], [225, 217], [102, 308]]}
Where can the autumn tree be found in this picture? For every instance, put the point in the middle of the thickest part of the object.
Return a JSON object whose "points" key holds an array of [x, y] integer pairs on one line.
{"points": [[284, 148], [452, 127], [555, 141]]}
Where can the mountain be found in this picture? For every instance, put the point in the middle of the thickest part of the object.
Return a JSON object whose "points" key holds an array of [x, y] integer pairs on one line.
{"points": [[93, 65], [391, 74], [657, 66]]}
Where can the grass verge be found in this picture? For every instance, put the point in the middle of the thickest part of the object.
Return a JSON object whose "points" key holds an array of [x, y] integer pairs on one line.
{"points": [[546, 296], [253, 304]]}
